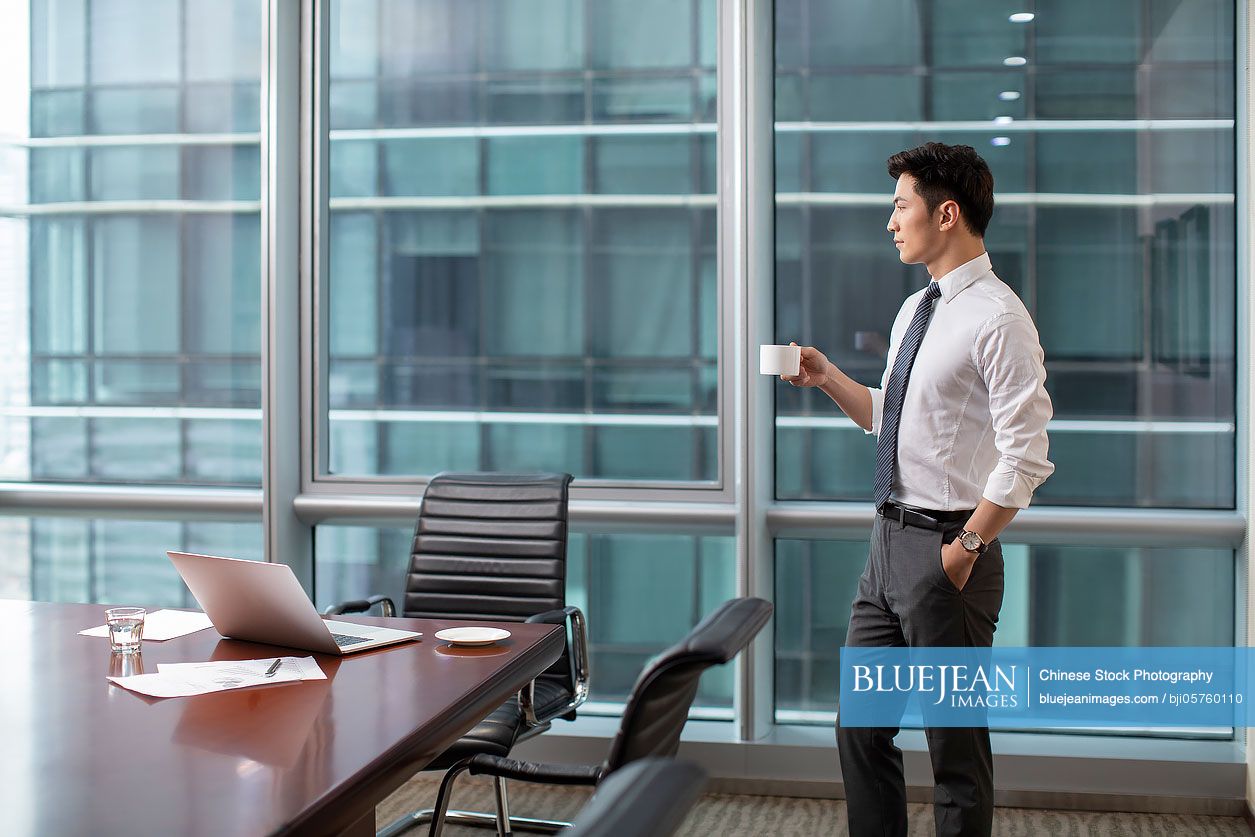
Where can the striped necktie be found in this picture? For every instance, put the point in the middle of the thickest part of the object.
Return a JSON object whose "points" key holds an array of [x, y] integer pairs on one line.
{"points": [[895, 394]]}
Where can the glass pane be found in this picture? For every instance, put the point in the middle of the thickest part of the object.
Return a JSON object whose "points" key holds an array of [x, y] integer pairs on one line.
{"points": [[58, 30], [134, 41], [111, 561], [133, 173], [611, 578], [222, 174], [522, 218], [223, 264], [59, 301], [223, 39], [534, 35], [136, 304], [222, 108], [643, 33], [134, 110], [57, 113], [130, 325], [1054, 596], [531, 256], [1110, 135], [56, 174]]}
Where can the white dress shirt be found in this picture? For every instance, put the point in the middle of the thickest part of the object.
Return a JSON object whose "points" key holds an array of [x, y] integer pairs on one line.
{"points": [[974, 419]]}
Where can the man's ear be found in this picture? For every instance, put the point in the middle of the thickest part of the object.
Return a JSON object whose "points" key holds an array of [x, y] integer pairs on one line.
{"points": [[947, 215]]}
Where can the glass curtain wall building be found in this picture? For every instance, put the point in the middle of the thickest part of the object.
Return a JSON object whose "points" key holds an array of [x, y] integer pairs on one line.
{"points": [[522, 238], [524, 265], [130, 277]]}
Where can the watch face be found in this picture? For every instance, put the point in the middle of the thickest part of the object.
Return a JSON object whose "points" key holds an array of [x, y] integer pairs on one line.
{"points": [[970, 541]]}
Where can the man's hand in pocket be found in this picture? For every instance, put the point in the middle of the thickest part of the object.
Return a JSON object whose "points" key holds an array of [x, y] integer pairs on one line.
{"points": [[957, 563]]}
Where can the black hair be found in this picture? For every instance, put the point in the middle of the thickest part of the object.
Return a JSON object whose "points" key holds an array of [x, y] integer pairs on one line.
{"points": [[950, 172]]}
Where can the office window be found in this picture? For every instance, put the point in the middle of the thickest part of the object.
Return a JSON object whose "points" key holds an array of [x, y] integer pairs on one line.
{"points": [[522, 239], [641, 593], [1055, 596], [1118, 233], [116, 561], [130, 271]]}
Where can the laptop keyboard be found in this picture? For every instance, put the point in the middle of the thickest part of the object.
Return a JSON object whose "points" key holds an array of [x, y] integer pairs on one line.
{"points": [[344, 640]]}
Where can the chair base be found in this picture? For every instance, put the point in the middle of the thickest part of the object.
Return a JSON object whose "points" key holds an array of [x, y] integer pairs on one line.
{"points": [[474, 819]]}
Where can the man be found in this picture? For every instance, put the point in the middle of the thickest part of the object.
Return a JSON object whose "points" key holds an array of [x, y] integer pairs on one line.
{"points": [[960, 420]]}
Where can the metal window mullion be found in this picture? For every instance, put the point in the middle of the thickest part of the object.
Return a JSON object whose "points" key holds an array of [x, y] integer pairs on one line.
{"points": [[315, 251], [285, 98], [746, 200], [586, 230], [315, 221], [1144, 445], [182, 283], [1244, 469]]}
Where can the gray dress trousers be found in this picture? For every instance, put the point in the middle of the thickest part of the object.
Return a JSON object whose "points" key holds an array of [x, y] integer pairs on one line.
{"points": [[905, 598]]}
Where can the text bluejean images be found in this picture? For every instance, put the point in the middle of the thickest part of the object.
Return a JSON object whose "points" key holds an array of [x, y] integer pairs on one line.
{"points": [[1045, 688]]}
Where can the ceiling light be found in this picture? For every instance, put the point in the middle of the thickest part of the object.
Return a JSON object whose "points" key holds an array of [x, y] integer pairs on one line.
{"points": [[1015, 61], [1021, 17], [1009, 95], [1000, 141], [1003, 120]]}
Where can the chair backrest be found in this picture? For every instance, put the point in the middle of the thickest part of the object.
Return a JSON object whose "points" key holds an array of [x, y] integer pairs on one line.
{"points": [[648, 798], [492, 547], [659, 704]]}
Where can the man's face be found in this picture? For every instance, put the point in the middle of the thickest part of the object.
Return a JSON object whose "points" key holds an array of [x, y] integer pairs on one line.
{"points": [[915, 229]]}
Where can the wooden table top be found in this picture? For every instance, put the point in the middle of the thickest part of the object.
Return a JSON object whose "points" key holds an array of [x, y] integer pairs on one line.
{"points": [[80, 755]]}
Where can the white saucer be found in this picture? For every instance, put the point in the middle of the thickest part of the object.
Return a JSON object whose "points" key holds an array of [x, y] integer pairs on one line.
{"points": [[472, 636]]}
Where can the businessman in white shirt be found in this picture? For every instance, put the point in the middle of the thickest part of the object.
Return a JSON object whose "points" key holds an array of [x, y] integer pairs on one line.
{"points": [[960, 420]]}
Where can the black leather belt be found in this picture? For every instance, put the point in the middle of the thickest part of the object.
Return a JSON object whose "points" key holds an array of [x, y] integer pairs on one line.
{"points": [[921, 518]]}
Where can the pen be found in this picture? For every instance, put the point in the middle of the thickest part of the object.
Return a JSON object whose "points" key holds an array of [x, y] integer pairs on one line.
{"points": [[274, 667]]}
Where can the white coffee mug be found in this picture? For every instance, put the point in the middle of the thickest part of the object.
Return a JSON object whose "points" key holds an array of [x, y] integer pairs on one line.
{"points": [[779, 360]]}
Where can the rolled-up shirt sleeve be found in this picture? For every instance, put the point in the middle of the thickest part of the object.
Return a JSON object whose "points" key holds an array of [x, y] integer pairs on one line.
{"points": [[878, 409], [878, 393], [1009, 355]]}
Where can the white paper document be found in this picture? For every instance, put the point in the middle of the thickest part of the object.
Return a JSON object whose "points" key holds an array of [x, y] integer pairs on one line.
{"points": [[185, 679], [161, 625], [306, 668]]}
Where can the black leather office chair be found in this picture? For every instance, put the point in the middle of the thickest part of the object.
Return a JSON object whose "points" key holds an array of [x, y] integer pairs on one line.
{"points": [[493, 547], [648, 798], [653, 718]]}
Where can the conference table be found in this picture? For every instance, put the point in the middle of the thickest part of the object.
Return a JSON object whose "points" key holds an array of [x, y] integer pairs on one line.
{"points": [[81, 755]]}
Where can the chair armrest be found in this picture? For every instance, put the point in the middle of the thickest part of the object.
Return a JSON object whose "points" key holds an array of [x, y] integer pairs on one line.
{"points": [[386, 607], [535, 771], [557, 616], [577, 650]]}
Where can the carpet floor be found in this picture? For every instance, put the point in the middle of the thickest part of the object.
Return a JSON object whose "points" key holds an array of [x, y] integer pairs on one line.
{"points": [[720, 815]]}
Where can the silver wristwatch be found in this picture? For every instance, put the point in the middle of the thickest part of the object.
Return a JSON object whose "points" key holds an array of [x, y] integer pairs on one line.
{"points": [[972, 542]]}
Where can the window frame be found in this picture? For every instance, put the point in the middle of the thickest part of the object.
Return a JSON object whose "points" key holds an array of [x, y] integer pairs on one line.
{"points": [[322, 490]]}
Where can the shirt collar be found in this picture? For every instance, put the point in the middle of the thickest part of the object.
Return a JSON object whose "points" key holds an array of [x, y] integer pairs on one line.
{"points": [[963, 275]]}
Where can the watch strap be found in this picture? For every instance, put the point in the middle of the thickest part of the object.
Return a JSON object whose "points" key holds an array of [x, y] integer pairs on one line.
{"points": [[980, 550]]}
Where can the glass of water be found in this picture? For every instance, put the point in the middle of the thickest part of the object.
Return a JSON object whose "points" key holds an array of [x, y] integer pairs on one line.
{"points": [[126, 628]]}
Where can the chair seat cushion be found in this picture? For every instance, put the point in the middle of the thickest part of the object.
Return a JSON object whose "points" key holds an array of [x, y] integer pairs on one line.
{"points": [[551, 694], [496, 734]]}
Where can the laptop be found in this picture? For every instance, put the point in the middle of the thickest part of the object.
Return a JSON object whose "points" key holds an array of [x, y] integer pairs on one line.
{"points": [[262, 602]]}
